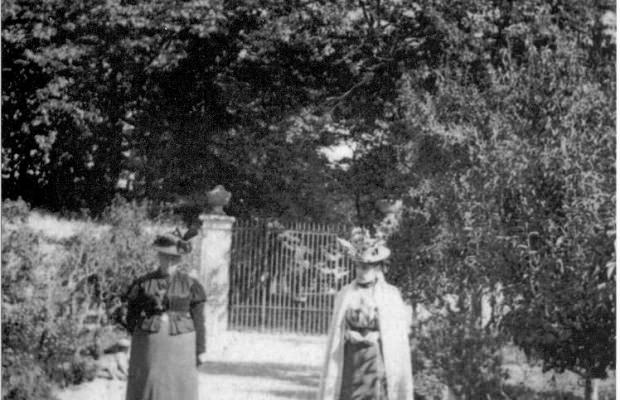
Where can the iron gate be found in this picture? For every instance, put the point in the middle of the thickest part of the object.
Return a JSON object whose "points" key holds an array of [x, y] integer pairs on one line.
{"points": [[283, 278]]}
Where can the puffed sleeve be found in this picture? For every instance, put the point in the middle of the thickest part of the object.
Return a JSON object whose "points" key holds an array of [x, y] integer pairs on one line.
{"points": [[133, 306], [197, 305]]}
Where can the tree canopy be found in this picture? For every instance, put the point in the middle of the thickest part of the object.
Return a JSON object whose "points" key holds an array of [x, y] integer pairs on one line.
{"points": [[494, 120]]}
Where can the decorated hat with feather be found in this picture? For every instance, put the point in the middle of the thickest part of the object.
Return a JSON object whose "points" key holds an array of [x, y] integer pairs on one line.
{"points": [[363, 247]]}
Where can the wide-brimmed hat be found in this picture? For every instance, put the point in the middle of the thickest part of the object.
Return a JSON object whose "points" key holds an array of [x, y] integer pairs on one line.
{"points": [[174, 243], [364, 248]]}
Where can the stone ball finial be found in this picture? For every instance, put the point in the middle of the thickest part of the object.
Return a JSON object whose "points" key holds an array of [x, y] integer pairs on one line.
{"points": [[218, 198]]}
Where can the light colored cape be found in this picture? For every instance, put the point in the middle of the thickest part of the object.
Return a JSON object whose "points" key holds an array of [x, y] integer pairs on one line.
{"points": [[394, 323]]}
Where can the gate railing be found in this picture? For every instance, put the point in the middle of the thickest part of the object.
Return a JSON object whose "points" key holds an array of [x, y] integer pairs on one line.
{"points": [[283, 277]]}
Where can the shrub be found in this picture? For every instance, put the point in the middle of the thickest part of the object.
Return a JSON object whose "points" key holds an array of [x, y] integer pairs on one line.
{"points": [[462, 356], [61, 297], [15, 210], [23, 378]]}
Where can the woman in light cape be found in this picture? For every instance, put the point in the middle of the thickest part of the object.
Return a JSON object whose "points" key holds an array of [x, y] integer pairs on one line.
{"points": [[368, 354]]}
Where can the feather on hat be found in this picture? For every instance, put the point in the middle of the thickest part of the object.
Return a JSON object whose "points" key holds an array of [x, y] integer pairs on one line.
{"points": [[364, 248]]}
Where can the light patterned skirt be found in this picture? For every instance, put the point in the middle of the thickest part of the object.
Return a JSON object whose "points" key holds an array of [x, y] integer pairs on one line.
{"points": [[162, 366]]}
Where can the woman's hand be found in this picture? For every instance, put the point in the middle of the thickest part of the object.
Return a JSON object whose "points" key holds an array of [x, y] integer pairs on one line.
{"points": [[202, 358], [353, 336], [356, 337], [371, 338]]}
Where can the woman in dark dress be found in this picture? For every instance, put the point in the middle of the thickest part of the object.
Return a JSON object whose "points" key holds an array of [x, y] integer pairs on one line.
{"points": [[166, 320]]}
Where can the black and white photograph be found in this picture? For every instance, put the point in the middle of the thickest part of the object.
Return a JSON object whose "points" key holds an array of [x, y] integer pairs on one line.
{"points": [[308, 199]]}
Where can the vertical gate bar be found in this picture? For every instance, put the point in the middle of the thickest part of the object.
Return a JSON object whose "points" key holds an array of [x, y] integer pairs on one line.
{"points": [[234, 277], [231, 279], [273, 289], [321, 285], [260, 263], [242, 266], [318, 258], [280, 283], [277, 275], [276, 283], [319, 288], [317, 282], [238, 273], [265, 267], [329, 240], [252, 274], [231, 275], [338, 283], [350, 268], [303, 284], [267, 285], [299, 283], [256, 273], [246, 276], [285, 285], [308, 282], [327, 308], [293, 316], [290, 283], [287, 269]]}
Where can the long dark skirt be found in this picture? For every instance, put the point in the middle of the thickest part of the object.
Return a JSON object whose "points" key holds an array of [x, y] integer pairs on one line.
{"points": [[363, 374], [162, 367]]}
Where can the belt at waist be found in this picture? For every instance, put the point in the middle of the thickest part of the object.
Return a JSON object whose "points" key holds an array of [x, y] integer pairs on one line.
{"points": [[363, 331], [160, 312]]}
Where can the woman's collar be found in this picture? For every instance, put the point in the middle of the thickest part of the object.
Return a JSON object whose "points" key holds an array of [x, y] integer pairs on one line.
{"points": [[367, 284]]}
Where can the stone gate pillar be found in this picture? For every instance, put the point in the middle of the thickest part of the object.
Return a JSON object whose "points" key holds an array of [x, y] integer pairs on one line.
{"points": [[215, 249]]}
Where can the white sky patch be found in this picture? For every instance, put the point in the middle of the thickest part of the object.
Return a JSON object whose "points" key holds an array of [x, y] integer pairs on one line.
{"points": [[339, 154]]}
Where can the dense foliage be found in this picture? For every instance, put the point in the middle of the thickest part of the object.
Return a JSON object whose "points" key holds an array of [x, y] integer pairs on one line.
{"points": [[62, 299], [493, 120]]}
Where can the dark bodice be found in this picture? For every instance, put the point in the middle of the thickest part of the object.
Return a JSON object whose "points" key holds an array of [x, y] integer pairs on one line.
{"points": [[180, 296]]}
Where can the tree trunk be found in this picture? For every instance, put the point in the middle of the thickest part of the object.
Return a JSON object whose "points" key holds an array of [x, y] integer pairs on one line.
{"points": [[591, 390]]}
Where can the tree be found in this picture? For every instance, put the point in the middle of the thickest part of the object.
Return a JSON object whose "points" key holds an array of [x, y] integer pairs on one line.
{"points": [[525, 199]]}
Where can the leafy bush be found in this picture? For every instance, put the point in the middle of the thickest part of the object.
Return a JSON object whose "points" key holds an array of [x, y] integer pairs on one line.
{"points": [[461, 356], [23, 378], [523, 393], [15, 211], [61, 298]]}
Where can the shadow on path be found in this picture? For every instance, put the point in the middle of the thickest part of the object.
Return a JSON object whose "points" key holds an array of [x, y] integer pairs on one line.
{"points": [[300, 375]]}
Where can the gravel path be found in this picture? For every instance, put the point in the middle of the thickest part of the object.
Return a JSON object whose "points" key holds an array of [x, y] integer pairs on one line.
{"points": [[277, 367], [249, 367]]}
